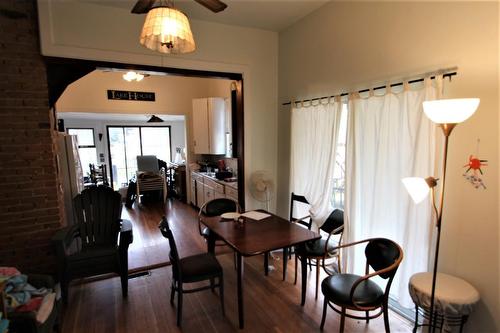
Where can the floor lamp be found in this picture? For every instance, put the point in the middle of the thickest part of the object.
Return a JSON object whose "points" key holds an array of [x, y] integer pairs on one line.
{"points": [[447, 113]]}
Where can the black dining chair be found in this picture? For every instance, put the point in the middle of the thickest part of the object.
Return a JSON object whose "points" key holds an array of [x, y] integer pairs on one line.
{"points": [[304, 221], [324, 251], [359, 293], [195, 268], [215, 207]]}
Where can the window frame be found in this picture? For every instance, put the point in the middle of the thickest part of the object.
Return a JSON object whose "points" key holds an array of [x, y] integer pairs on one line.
{"points": [[83, 128], [140, 142]]}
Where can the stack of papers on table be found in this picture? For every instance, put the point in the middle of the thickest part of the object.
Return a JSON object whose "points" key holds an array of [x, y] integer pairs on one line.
{"points": [[254, 215]]}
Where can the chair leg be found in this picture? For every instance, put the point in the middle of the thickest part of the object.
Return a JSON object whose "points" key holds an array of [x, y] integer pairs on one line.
{"points": [[179, 304], [317, 277], [416, 319], [325, 305], [266, 263], [234, 260], [64, 290], [386, 317], [172, 293], [342, 321], [367, 317], [221, 294], [124, 282], [296, 264], [285, 262], [212, 284], [310, 265], [123, 265]]}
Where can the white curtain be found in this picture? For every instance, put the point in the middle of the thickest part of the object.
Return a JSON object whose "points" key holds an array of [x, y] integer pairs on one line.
{"points": [[314, 138], [389, 138]]}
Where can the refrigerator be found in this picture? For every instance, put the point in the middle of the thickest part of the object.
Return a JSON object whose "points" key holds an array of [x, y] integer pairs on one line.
{"points": [[70, 172]]}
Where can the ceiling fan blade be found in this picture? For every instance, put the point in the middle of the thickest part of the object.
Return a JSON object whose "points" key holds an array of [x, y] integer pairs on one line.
{"points": [[142, 6], [214, 5]]}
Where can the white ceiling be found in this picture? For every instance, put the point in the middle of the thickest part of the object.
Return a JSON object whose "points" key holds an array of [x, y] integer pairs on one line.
{"points": [[274, 15]]}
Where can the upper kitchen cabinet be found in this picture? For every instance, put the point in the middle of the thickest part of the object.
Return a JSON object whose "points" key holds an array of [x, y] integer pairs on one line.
{"points": [[209, 126]]}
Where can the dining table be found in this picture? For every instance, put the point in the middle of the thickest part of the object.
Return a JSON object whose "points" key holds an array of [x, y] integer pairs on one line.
{"points": [[249, 237]]}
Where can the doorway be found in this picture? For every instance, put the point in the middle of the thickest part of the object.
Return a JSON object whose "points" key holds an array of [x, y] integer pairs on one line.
{"points": [[122, 142]]}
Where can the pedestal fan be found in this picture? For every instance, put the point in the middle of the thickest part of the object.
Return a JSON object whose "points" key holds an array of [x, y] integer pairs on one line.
{"points": [[262, 187]]}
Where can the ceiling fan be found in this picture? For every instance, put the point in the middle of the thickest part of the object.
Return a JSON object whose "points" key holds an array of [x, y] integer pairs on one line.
{"points": [[143, 6]]}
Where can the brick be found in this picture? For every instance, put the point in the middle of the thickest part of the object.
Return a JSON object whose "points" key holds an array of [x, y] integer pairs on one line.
{"points": [[29, 196]]}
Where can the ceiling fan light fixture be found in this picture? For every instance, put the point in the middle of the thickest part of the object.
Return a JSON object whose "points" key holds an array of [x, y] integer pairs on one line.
{"points": [[133, 76], [167, 30]]}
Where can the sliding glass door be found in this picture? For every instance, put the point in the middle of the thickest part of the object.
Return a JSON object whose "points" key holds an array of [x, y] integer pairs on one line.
{"points": [[127, 142]]}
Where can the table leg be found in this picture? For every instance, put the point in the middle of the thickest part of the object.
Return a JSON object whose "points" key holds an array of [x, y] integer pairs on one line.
{"points": [[211, 242], [239, 264], [303, 264]]}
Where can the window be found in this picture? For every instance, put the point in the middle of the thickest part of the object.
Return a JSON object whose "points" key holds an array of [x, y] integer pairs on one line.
{"points": [[128, 142], [338, 182], [86, 147]]}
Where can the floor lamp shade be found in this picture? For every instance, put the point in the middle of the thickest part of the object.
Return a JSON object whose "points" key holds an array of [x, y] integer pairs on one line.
{"points": [[417, 188], [450, 111]]}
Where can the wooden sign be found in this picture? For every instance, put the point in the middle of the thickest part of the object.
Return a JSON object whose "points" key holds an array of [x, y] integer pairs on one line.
{"points": [[131, 95]]}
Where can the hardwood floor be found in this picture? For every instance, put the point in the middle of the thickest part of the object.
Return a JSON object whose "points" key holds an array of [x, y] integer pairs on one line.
{"points": [[271, 305], [149, 247]]}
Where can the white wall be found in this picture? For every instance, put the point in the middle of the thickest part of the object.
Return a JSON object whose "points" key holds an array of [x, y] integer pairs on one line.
{"points": [[345, 46], [88, 31]]}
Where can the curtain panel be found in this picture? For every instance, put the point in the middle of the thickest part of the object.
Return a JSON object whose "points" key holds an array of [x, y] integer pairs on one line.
{"points": [[315, 131], [389, 138]]}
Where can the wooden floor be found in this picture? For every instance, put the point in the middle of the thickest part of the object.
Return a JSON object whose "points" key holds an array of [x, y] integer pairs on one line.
{"points": [[271, 305]]}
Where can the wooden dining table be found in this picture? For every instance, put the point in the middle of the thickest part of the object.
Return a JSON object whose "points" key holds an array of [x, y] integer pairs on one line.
{"points": [[254, 237]]}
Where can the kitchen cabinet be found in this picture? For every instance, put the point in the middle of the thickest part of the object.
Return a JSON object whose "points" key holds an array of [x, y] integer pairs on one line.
{"points": [[209, 126], [205, 188], [231, 193]]}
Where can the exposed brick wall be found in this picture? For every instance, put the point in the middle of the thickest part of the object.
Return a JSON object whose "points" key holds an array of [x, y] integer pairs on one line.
{"points": [[29, 205]]}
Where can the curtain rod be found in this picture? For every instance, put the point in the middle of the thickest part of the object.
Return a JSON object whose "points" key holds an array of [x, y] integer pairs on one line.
{"points": [[447, 74]]}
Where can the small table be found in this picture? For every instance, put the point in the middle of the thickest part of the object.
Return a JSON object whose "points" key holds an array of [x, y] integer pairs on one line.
{"points": [[454, 299], [257, 237]]}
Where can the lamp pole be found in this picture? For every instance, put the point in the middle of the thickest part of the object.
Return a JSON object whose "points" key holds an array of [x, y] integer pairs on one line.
{"points": [[447, 129]]}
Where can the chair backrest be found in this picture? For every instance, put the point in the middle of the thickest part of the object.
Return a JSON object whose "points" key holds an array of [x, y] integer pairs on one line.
{"points": [[174, 254], [148, 163], [334, 221], [98, 211], [293, 218], [219, 206], [382, 253]]}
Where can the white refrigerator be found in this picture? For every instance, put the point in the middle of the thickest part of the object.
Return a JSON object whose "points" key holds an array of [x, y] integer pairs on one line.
{"points": [[70, 172]]}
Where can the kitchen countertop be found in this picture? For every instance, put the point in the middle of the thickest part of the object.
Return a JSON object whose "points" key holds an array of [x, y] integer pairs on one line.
{"points": [[230, 184]]}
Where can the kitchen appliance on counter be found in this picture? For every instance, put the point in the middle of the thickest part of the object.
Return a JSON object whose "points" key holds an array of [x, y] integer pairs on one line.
{"points": [[222, 175]]}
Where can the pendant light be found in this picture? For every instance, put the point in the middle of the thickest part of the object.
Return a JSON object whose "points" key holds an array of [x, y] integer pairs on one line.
{"points": [[155, 119], [167, 30]]}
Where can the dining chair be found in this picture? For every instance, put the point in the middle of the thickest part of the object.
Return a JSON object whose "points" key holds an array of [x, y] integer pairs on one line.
{"points": [[196, 268], [215, 207], [304, 221], [361, 293], [321, 252]]}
